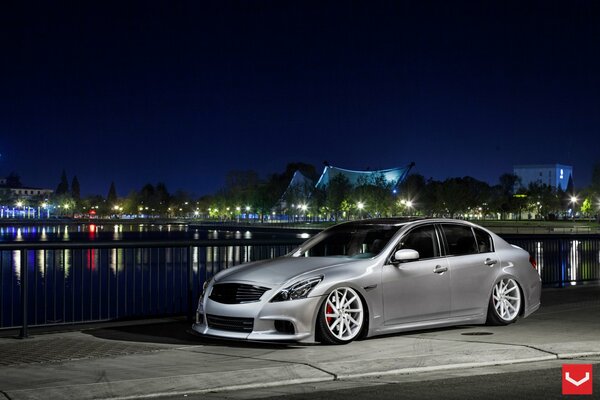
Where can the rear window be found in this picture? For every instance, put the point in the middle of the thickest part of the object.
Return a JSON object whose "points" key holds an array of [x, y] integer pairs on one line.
{"points": [[460, 240], [484, 241]]}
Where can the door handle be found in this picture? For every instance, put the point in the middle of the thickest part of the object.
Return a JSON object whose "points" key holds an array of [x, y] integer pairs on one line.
{"points": [[490, 262], [439, 269]]}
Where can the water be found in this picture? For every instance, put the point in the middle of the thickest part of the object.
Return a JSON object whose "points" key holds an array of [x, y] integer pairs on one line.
{"points": [[103, 232], [105, 281]]}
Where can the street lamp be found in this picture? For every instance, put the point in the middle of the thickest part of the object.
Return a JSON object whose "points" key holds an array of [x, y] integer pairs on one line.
{"points": [[360, 205], [574, 200], [303, 207]]}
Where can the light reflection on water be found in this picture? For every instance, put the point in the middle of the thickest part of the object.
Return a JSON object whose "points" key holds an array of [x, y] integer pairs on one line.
{"points": [[90, 231], [70, 285], [565, 261]]}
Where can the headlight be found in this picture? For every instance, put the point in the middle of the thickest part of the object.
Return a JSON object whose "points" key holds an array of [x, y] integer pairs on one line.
{"points": [[204, 287], [298, 290]]}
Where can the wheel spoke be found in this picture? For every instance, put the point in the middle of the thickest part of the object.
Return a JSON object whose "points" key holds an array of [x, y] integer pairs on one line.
{"points": [[335, 323], [349, 302], [348, 328], [510, 290], [332, 306]]}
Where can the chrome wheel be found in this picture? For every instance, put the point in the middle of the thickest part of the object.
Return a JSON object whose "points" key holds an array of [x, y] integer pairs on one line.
{"points": [[344, 314], [506, 299]]}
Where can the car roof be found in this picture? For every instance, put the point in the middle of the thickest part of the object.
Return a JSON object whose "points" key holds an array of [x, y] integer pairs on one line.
{"points": [[397, 221]]}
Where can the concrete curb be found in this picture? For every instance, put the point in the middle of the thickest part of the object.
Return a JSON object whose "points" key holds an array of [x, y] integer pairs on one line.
{"points": [[209, 382], [446, 367], [178, 385]]}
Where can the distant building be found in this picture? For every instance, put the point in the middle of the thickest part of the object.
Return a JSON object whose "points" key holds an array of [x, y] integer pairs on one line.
{"points": [[392, 176], [22, 191], [27, 192], [558, 176]]}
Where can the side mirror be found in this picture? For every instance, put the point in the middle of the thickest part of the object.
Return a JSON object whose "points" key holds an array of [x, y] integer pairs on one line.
{"points": [[405, 255]]}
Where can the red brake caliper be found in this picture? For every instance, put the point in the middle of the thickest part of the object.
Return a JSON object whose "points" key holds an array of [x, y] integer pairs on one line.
{"points": [[329, 310]]}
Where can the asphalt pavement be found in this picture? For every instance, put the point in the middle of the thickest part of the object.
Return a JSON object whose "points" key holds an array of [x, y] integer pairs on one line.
{"points": [[163, 358]]}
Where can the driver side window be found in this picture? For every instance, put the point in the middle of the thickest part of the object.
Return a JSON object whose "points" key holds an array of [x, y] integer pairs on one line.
{"points": [[422, 239]]}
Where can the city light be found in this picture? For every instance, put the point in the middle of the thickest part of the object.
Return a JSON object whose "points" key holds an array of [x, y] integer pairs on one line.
{"points": [[360, 205], [574, 200]]}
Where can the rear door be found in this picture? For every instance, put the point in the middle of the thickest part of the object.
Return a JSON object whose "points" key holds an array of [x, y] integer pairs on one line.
{"points": [[472, 262], [417, 290]]}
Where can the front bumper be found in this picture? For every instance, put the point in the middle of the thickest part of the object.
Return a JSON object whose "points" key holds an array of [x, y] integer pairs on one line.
{"points": [[301, 314]]}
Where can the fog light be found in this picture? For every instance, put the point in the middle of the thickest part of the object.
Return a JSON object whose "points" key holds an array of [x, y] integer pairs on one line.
{"points": [[286, 327]]}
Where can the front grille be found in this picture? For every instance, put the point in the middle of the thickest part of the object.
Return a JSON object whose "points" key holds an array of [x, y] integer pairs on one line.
{"points": [[236, 293], [230, 323]]}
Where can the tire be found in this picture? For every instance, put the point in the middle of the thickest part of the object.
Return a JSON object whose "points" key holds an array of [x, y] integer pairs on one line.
{"points": [[505, 303], [341, 317]]}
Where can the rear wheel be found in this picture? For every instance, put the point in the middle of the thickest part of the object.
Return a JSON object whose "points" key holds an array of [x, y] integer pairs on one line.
{"points": [[341, 317], [505, 303]]}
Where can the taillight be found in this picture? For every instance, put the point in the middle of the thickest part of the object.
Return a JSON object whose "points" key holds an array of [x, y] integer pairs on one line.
{"points": [[533, 262]]}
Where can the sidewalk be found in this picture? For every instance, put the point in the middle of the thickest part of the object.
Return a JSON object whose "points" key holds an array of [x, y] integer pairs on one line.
{"points": [[164, 358]]}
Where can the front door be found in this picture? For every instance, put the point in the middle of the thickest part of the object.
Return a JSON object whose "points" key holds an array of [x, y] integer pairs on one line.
{"points": [[418, 290]]}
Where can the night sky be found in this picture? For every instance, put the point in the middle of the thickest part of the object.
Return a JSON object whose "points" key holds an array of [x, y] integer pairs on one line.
{"points": [[182, 92]]}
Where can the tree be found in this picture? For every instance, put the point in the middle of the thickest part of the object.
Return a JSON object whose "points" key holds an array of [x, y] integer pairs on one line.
{"points": [[503, 199], [412, 188], [111, 198], [337, 190], [13, 180], [75, 189], [587, 207], [375, 193], [543, 199], [63, 186], [509, 183], [162, 197], [595, 185]]}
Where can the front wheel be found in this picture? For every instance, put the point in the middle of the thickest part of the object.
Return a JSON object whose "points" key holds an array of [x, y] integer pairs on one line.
{"points": [[505, 303], [341, 317]]}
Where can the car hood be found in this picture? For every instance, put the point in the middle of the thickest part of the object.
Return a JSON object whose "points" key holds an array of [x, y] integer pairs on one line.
{"points": [[277, 271]]}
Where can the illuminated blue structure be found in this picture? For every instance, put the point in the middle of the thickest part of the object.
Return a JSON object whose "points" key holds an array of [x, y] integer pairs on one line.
{"points": [[557, 176], [392, 176]]}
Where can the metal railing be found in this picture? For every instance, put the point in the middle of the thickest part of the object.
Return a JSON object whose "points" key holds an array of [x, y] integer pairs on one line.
{"points": [[50, 283], [562, 260]]}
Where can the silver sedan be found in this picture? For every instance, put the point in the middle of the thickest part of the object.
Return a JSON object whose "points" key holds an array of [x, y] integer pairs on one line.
{"points": [[372, 277]]}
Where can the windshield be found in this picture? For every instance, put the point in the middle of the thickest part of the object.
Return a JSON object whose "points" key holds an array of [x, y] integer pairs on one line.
{"points": [[349, 241]]}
